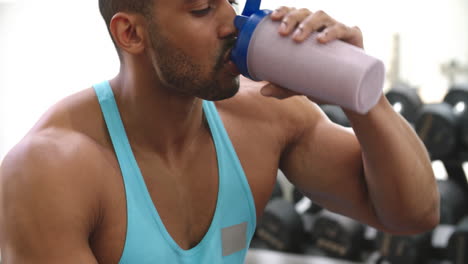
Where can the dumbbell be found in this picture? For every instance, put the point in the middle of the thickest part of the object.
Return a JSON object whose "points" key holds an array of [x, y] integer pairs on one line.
{"points": [[453, 207], [424, 247], [336, 115], [451, 242], [437, 128], [339, 236], [304, 204], [457, 97], [281, 227], [286, 226], [404, 249], [308, 211], [405, 101], [354, 238], [276, 193], [453, 201], [458, 243], [441, 126]]}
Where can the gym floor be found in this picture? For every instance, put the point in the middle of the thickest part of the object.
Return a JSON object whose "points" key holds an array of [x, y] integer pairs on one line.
{"points": [[260, 256]]}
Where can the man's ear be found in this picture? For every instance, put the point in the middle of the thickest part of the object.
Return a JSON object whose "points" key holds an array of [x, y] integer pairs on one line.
{"points": [[128, 32]]}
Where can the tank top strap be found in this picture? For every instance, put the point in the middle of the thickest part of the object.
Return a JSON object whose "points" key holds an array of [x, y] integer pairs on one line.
{"points": [[234, 174], [132, 177]]}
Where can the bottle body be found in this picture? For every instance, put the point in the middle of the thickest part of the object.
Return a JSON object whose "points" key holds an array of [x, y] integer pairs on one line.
{"points": [[336, 72]]}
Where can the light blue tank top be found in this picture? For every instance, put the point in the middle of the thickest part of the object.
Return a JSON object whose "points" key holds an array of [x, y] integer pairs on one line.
{"points": [[147, 240]]}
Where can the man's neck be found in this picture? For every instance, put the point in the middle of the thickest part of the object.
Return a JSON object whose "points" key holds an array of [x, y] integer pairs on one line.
{"points": [[157, 119]]}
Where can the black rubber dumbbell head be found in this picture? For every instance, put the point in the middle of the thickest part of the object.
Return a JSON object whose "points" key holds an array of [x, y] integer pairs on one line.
{"points": [[436, 125], [405, 100]]}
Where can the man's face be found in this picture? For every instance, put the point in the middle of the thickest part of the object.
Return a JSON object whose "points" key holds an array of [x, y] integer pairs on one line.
{"points": [[190, 44]]}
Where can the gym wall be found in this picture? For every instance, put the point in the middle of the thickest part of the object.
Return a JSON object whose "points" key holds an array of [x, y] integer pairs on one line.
{"points": [[2, 79], [52, 48]]}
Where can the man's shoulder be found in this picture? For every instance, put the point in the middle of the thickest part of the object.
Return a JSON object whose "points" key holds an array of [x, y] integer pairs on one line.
{"points": [[69, 132], [68, 141], [49, 179], [52, 154]]}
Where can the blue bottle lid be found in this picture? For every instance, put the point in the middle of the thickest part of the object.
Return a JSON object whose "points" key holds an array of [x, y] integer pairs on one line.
{"points": [[246, 24]]}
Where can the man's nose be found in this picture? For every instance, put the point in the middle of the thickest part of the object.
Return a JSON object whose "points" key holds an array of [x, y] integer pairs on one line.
{"points": [[227, 15]]}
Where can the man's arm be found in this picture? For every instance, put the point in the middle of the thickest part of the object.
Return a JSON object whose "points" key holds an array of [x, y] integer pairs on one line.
{"points": [[382, 175], [45, 217]]}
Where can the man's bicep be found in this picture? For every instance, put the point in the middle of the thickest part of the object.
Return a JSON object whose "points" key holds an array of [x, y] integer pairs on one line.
{"points": [[325, 163], [38, 222]]}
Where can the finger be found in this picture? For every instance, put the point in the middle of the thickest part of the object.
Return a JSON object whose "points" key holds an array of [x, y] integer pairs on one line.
{"points": [[271, 90], [292, 19], [340, 31], [355, 37], [337, 31], [314, 22], [279, 13]]}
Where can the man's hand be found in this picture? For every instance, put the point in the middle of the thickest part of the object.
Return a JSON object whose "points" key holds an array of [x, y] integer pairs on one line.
{"points": [[299, 24]]}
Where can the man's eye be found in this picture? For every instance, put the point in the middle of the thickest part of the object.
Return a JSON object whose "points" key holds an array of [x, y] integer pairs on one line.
{"points": [[233, 2], [202, 12]]}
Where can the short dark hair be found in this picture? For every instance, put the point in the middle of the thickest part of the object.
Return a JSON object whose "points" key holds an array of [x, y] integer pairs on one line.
{"points": [[109, 8]]}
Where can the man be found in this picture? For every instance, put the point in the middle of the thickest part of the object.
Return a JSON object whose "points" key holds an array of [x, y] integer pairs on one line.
{"points": [[141, 169]]}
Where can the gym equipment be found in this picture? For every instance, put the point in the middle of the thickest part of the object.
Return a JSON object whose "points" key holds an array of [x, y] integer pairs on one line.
{"points": [[316, 222], [404, 249], [405, 101], [281, 227], [277, 191], [458, 244], [421, 248], [452, 69], [453, 202], [457, 97], [304, 227], [440, 126], [287, 226], [456, 173], [339, 236], [308, 211], [452, 208], [304, 204], [336, 115], [449, 242], [258, 243], [437, 128]]}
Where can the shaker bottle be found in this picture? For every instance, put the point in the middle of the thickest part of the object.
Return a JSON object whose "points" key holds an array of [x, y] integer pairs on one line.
{"points": [[336, 72]]}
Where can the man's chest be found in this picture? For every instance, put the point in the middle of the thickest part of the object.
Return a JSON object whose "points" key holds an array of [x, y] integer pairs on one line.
{"points": [[185, 199]]}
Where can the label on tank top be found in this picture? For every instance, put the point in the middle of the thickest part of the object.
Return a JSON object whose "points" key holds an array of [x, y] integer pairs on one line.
{"points": [[234, 238]]}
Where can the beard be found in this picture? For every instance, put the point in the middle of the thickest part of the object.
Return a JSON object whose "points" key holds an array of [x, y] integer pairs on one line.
{"points": [[183, 74]]}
